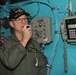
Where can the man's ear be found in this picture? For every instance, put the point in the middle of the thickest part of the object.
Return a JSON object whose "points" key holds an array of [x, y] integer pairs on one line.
{"points": [[11, 24]]}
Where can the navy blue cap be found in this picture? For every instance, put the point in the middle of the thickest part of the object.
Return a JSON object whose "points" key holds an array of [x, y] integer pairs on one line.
{"points": [[17, 12]]}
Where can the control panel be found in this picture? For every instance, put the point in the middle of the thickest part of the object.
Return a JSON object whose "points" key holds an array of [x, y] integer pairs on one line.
{"points": [[69, 28], [42, 29]]}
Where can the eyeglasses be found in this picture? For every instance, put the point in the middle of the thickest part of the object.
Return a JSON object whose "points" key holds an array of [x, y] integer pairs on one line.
{"points": [[20, 20]]}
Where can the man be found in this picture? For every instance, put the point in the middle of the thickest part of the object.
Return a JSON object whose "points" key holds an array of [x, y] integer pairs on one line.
{"points": [[20, 53]]}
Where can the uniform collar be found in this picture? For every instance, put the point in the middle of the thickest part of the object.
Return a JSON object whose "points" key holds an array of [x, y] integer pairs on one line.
{"points": [[14, 37]]}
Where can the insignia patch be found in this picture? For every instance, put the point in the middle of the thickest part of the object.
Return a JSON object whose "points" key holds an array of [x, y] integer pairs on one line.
{"points": [[32, 50]]}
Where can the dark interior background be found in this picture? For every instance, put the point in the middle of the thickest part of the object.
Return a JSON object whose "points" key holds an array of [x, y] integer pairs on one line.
{"points": [[2, 2]]}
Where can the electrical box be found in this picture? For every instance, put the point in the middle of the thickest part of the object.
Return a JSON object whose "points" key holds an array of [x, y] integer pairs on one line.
{"points": [[69, 29], [42, 29]]}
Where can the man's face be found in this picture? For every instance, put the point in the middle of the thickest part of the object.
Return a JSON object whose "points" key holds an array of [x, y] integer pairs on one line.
{"points": [[19, 23]]}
